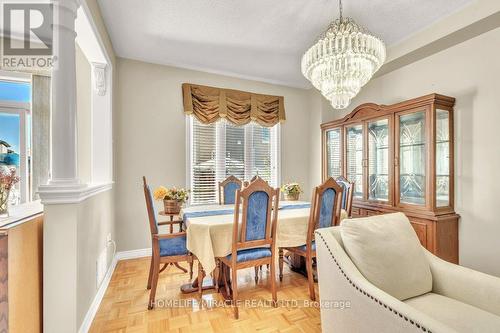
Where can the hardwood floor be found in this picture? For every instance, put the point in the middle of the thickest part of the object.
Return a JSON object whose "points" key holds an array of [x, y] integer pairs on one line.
{"points": [[124, 307]]}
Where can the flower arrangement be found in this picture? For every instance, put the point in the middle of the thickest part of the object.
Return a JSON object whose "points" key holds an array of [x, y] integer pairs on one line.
{"points": [[162, 193], [8, 179], [173, 198], [291, 191]]}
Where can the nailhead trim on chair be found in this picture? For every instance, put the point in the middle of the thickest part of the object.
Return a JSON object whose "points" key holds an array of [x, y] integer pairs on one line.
{"points": [[367, 294]]}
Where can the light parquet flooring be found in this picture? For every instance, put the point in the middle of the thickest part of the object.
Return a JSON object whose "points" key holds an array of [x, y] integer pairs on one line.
{"points": [[124, 307]]}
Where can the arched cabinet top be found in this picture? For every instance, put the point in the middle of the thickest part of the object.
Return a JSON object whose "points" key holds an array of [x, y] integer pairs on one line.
{"points": [[371, 110]]}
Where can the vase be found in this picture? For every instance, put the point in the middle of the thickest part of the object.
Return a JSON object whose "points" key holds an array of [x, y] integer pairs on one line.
{"points": [[4, 202], [172, 206], [292, 196]]}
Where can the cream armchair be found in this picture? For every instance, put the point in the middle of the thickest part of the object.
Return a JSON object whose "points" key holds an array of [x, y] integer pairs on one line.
{"points": [[459, 299]]}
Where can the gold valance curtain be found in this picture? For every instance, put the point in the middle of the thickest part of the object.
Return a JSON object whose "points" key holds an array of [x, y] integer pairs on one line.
{"points": [[208, 104]]}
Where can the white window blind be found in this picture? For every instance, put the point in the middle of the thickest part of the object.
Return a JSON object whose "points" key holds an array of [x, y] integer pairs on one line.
{"points": [[222, 149]]}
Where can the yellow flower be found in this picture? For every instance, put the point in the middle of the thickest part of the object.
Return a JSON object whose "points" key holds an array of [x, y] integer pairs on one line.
{"points": [[160, 193]]}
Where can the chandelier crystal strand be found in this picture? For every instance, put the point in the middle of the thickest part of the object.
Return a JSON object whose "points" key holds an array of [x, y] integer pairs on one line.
{"points": [[343, 59]]}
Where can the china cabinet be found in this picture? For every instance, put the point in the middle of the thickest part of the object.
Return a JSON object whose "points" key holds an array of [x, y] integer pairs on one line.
{"points": [[401, 159]]}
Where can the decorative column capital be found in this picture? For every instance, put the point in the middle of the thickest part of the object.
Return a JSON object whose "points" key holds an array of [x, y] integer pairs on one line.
{"points": [[99, 78]]}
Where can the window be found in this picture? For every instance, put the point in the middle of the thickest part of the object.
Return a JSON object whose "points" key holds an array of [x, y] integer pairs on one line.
{"points": [[24, 131], [221, 149], [15, 131]]}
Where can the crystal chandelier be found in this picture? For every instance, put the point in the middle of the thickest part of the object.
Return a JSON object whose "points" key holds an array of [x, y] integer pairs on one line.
{"points": [[343, 59]]}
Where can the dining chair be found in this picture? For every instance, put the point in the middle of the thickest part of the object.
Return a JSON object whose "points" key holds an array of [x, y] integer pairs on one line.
{"points": [[227, 190], [253, 238], [325, 212], [166, 248], [347, 194]]}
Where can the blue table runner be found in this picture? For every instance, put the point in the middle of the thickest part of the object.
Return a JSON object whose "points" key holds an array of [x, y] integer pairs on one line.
{"points": [[187, 216]]}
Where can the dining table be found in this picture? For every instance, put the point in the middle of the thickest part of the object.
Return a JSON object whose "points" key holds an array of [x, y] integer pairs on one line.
{"points": [[209, 230]]}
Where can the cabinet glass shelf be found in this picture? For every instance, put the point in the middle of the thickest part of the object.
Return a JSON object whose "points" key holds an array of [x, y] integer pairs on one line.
{"points": [[442, 158], [378, 160], [354, 158], [412, 159]]}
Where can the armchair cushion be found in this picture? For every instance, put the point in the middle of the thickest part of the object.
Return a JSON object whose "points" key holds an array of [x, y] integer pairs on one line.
{"points": [[251, 254], [175, 246], [387, 252], [460, 316]]}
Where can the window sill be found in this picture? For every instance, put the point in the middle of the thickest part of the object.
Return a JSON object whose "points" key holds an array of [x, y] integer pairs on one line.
{"points": [[21, 213]]}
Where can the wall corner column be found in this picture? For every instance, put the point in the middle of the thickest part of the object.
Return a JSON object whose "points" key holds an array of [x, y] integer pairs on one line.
{"points": [[60, 255]]}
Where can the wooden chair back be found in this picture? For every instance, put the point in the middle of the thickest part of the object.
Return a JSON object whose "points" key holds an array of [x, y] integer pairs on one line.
{"points": [[347, 194], [227, 190], [254, 178], [259, 213], [325, 207], [153, 222]]}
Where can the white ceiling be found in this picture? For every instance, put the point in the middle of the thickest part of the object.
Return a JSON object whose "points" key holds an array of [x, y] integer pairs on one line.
{"points": [[255, 39]]}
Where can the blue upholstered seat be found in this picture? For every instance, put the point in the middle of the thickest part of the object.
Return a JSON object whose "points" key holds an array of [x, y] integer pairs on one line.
{"points": [[251, 254], [303, 247], [173, 246], [230, 192]]}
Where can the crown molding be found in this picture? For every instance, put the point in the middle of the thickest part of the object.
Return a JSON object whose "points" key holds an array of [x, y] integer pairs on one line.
{"points": [[468, 22]]}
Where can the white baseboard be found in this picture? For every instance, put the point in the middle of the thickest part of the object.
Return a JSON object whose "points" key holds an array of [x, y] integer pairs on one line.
{"points": [[94, 306], [139, 253]]}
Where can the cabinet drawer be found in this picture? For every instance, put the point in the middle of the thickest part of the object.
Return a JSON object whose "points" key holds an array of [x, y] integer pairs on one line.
{"points": [[355, 211], [372, 213], [421, 230]]}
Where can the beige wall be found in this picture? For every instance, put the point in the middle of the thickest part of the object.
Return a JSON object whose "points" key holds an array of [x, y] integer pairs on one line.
{"points": [[469, 72], [95, 222], [315, 115], [60, 281], [150, 136], [81, 229]]}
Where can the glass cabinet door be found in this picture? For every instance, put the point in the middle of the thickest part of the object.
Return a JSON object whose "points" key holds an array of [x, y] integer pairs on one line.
{"points": [[412, 159], [442, 158], [354, 158], [333, 153], [378, 160]]}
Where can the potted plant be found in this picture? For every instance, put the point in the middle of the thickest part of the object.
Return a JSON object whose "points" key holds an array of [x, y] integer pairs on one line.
{"points": [[291, 191], [8, 179], [173, 198]]}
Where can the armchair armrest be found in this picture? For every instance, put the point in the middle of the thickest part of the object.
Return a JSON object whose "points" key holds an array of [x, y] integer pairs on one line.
{"points": [[340, 281], [465, 285]]}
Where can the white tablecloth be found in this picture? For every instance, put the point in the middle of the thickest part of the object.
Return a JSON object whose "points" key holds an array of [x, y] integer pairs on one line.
{"points": [[211, 236]]}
